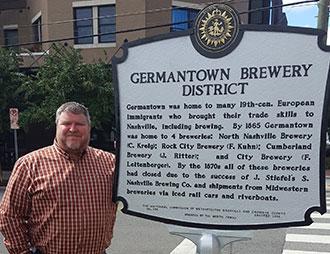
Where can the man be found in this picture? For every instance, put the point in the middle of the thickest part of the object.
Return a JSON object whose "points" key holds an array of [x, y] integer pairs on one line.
{"points": [[59, 198]]}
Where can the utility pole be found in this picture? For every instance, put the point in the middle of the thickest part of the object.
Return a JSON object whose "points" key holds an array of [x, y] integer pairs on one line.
{"points": [[323, 16]]}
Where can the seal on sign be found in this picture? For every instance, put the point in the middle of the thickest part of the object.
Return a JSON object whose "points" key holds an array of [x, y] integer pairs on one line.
{"points": [[216, 30]]}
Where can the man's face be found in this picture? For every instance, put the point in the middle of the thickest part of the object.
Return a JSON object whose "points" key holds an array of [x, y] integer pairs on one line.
{"points": [[72, 132]]}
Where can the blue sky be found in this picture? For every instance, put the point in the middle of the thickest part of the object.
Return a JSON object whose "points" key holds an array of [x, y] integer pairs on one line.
{"points": [[303, 15]]}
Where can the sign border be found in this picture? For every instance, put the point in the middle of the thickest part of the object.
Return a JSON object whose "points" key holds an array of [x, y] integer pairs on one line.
{"points": [[259, 28]]}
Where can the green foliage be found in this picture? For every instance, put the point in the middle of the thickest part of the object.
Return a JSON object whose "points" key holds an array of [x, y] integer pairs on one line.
{"points": [[10, 81], [64, 77]]}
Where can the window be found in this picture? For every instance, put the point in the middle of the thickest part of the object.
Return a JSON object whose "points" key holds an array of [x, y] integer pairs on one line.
{"points": [[107, 23], [37, 34], [11, 36], [182, 18], [83, 25], [94, 20]]}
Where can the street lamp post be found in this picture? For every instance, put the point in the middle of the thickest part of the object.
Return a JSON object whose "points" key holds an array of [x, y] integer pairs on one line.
{"points": [[323, 16]]}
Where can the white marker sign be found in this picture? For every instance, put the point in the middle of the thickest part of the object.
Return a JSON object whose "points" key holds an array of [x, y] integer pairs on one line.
{"points": [[223, 140]]}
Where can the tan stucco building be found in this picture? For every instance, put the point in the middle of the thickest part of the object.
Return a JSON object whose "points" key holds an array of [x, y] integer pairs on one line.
{"points": [[97, 27]]}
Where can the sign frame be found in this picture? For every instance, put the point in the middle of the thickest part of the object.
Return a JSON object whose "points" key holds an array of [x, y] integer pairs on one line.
{"points": [[243, 28]]}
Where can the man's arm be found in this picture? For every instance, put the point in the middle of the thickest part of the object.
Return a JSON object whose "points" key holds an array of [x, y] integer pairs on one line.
{"points": [[15, 209]]}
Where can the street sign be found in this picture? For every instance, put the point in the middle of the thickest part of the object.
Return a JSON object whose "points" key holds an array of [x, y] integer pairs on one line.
{"points": [[221, 126], [13, 115]]}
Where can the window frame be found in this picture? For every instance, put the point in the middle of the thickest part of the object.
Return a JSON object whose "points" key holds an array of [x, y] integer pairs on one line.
{"points": [[83, 23], [9, 29], [98, 41], [190, 13], [37, 27], [111, 25]]}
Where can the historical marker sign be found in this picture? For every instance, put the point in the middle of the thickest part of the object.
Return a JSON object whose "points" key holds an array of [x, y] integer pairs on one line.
{"points": [[221, 135]]}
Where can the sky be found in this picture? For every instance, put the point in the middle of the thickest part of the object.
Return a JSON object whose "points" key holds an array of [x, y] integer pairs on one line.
{"points": [[303, 15]]}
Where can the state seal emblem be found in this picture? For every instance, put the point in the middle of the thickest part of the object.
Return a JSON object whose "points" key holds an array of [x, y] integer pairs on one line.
{"points": [[216, 29]]}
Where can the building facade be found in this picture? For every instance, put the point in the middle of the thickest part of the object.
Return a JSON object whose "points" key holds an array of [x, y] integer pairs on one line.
{"points": [[99, 27]]}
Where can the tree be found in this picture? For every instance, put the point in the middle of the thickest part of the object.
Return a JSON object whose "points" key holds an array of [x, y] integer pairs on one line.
{"points": [[10, 80], [64, 77]]}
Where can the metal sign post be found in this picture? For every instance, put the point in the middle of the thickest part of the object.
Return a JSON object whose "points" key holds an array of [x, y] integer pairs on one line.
{"points": [[210, 241], [13, 114], [15, 143]]}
